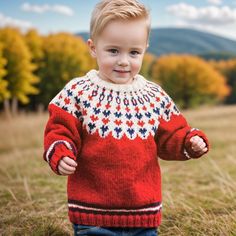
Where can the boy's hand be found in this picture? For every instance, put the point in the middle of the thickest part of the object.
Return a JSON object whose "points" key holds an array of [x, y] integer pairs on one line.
{"points": [[67, 166], [198, 145]]}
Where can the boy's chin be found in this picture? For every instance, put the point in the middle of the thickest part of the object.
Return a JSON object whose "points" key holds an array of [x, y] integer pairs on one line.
{"points": [[121, 80]]}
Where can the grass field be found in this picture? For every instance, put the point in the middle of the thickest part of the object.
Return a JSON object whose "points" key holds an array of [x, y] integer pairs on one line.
{"points": [[199, 196]]}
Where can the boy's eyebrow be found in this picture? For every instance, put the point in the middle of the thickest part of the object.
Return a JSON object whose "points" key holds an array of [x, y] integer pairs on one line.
{"points": [[137, 48], [116, 46], [111, 46]]}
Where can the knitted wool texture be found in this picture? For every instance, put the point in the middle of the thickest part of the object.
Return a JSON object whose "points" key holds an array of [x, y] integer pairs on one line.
{"points": [[116, 134]]}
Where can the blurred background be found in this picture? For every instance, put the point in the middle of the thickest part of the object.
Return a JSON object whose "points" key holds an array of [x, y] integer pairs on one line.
{"points": [[192, 55]]}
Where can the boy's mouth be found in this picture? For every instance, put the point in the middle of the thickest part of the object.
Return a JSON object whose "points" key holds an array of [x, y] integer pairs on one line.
{"points": [[122, 71]]}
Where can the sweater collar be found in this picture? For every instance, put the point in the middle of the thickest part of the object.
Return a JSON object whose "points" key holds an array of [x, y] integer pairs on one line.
{"points": [[138, 83]]}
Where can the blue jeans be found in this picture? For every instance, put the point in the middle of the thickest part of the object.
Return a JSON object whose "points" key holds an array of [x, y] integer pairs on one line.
{"points": [[110, 231]]}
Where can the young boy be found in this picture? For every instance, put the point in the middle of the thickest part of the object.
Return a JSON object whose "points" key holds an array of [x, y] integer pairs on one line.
{"points": [[107, 129]]}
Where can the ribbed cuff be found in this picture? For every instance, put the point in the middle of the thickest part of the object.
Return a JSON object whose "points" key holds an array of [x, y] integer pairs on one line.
{"points": [[59, 151], [188, 151]]}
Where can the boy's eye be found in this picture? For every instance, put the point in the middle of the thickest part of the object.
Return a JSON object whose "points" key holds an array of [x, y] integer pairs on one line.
{"points": [[113, 51], [134, 53]]}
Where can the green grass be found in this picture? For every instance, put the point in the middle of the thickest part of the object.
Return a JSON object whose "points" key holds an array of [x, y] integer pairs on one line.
{"points": [[199, 196]]}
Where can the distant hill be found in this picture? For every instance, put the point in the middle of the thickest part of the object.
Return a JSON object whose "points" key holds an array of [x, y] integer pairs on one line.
{"points": [[176, 40]]}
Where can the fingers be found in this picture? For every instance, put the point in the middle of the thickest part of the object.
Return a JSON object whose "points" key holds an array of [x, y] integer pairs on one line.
{"points": [[69, 161], [67, 166], [198, 145], [62, 171]]}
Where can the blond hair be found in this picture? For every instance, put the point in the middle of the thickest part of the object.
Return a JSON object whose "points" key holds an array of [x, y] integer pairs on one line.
{"points": [[109, 10]]}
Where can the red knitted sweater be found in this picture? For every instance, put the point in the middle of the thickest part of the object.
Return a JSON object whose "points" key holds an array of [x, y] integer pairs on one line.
{"points": [[116, 134]]}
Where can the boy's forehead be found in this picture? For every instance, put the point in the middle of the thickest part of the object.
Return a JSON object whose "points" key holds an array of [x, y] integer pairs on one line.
{"points": [[123, 40], [125, 32]]}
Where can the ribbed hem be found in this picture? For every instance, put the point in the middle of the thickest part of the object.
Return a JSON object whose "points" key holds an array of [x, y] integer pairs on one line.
{"points": [[138, 83], [133, 221]]}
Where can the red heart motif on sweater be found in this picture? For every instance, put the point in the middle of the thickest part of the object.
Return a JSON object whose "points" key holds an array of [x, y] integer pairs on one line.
{"points": [[141, 123], [151, 122], [105, 120], [129, 123], [94, 118], [67, 101], [118, 122]]}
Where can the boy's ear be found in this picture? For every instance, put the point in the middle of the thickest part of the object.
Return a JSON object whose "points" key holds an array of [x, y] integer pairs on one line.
{"points": [[92, 48]]}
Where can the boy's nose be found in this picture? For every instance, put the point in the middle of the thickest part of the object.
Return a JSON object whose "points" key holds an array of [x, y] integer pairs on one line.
{"points": [[123, 61]]}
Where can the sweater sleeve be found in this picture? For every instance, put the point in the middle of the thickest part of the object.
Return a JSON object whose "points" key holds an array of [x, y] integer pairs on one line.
{"points": [[62, 132], [174, 134]]}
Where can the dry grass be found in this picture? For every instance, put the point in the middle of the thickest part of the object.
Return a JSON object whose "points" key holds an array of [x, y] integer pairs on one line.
{"points": [[199, 195]]}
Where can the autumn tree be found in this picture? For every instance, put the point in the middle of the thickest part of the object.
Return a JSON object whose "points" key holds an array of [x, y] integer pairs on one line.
{"points": [[4, 93], [228, 69], [35, 44], [65, 57], [148, 62], [20, 77], [189, 80]]}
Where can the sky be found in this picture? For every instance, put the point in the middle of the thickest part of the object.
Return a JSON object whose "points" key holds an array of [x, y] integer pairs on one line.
{"points": [[214, 16]]}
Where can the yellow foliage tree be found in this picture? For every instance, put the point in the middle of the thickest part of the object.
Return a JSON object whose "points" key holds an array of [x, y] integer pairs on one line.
{"points": [[35, 43], [4, 93], [189, 80], [19, 68], [228, 69], [148, 61], [65, 57]]}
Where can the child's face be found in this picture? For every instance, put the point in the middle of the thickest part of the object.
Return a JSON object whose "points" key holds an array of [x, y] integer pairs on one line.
{"points": [[119, 50]]}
